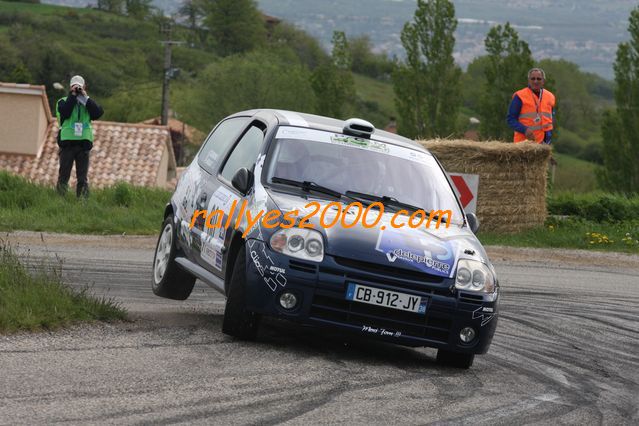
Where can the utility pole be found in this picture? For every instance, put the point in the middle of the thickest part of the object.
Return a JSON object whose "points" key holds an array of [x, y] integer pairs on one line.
{"points": [[165, 30]]}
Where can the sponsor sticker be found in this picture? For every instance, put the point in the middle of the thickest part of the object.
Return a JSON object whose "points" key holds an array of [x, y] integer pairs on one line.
{"points": [[430, 255], [285, 132]]}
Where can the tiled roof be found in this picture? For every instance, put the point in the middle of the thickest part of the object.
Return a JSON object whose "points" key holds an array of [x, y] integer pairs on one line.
{"points": [[191, 133], [121, 152]]}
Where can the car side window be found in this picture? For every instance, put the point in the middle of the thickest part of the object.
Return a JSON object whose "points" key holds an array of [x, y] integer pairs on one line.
{"points": [[245, 152], [219, 141]]}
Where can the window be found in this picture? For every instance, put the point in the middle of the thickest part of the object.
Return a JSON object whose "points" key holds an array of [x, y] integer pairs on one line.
{"points": [[219, 141], [245, 152]]}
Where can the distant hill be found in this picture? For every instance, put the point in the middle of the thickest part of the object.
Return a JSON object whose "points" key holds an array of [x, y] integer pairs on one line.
{"points": [[582, 31]]}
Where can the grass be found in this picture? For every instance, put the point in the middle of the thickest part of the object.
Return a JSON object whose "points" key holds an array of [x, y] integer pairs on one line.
{"points": [[42, 301], [41, 9], [372, 90], [573, 174], [46, 9], [116, 210], [573, 233]]}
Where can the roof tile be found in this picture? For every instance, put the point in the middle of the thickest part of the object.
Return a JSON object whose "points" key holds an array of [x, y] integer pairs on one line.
{"points": [[121, 152]]}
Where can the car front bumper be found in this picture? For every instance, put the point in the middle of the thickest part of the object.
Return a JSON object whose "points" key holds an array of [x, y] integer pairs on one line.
{"points": [[321, 292]]}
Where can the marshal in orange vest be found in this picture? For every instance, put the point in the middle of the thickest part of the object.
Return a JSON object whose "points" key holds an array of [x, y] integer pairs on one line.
{"points": [[535, 114]]}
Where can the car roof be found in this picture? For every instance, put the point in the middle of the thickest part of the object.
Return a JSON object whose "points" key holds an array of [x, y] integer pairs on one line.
{"points": [[311, 121]]}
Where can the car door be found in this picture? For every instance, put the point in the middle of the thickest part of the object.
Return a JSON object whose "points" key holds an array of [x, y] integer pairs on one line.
{"points": [[214, 236], [200, 181]]}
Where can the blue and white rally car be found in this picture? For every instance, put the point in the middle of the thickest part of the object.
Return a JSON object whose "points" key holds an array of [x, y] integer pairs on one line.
{"points": [[312, 219]]}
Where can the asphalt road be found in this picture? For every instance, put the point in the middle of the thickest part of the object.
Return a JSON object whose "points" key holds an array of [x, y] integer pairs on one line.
{"points": [[566, 351]]}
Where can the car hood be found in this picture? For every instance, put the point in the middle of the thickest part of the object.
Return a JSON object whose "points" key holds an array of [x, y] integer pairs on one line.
{"points": [[433, 251]]}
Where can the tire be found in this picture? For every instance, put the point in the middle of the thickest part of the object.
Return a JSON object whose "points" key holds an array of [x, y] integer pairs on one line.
{"points": [[455, 359], [169, 280], [238, 321]]}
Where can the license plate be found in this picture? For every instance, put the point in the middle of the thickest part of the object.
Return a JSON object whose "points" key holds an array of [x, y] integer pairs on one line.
{"points": [[386, 298]]}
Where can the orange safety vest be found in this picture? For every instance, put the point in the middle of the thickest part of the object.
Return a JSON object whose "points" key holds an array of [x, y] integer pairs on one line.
{"points": [[535, 114]]}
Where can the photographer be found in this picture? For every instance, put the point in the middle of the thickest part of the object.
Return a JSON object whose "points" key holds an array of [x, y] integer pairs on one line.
{"points": [[74, 113]]}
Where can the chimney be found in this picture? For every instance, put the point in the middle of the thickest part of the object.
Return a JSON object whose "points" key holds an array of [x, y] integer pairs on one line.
{"points": [[24, 118]]}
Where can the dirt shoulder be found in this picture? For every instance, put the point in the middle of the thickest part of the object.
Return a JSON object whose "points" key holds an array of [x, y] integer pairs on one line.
{"points": [[30, 238], [565, 257]]}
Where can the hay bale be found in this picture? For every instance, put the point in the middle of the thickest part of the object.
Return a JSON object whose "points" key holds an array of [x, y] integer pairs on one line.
{"points": [[512, 179]]}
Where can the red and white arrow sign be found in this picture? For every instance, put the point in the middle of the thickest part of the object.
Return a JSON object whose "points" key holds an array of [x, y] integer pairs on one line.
{"points": [[466, 187]]}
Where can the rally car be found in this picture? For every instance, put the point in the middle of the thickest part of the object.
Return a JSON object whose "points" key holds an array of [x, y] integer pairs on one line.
{"points": [[426, 286]]}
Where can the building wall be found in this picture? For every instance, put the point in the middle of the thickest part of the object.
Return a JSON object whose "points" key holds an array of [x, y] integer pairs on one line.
{"points": [[43, 126], [162, 172], [23, 123]]}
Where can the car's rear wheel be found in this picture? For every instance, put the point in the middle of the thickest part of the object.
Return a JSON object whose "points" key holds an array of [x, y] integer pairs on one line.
{"points": [[455, 359], [238, 320], [169, 280]]}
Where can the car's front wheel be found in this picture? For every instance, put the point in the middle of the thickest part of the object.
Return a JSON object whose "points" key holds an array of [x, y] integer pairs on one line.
{"points": [[238, 320], [455, 359], [169, 280]]}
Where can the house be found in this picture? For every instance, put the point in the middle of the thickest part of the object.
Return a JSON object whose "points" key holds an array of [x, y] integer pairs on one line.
{"points": [[135, 153], [186, 139]]}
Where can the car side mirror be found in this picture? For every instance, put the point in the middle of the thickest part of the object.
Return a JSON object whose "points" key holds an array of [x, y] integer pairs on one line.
{"points": [[473, 222], [242, 180]]}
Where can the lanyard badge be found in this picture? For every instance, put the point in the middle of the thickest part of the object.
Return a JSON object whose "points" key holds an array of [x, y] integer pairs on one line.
{"points": [[77, 129], [538, 105]]}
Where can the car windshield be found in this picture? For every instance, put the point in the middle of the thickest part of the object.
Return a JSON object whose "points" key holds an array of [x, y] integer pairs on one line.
{"points": [[346, 163]]}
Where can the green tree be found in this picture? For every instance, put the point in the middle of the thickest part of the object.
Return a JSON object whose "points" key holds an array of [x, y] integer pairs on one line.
{"points": [[272, 78], [620, 128], [236, 26], [138, 9], [578, 112], [20, 74], [509, 60], [132, 107], [341, 53], [10, 58], [113, 6], [332, 81], [306, 48], [472, 83], [581, 99], [191, 11], [364, 61], [426, 85]]}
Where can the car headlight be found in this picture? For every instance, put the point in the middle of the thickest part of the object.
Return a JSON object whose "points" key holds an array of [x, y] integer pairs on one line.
{"points": [[300, 243], [474, 276]]}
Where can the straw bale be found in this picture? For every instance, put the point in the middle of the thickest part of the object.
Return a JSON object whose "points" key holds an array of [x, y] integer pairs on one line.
{"points": [[512, 179]]}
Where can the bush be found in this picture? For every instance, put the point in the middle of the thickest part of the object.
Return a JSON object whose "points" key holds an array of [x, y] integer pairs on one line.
{"points": [[592, 152], [595, 206], [568, 143]]}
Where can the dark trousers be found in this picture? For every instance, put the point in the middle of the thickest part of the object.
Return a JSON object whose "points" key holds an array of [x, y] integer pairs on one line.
{"points": [[74, 151]]}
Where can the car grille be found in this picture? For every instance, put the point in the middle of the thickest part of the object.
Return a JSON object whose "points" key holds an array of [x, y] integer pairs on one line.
{"points": [[306, 267], [388, 270], [334, 307]]}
